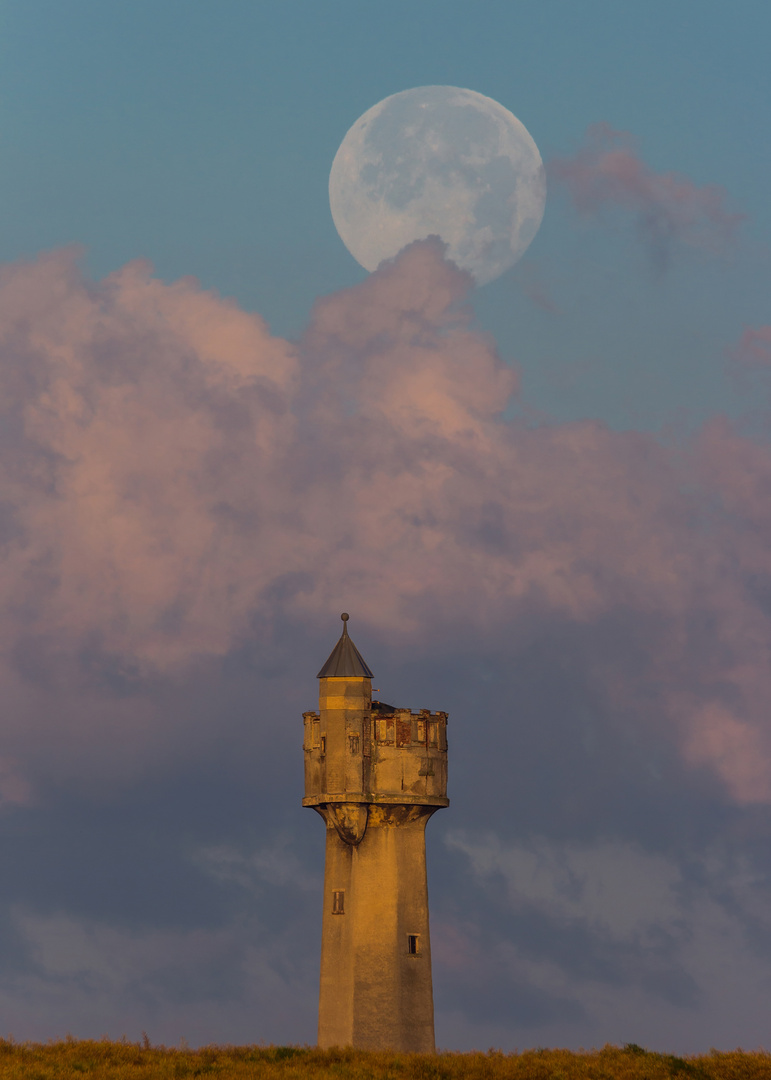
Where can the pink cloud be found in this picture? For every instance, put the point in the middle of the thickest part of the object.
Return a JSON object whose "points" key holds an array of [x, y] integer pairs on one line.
{"points": [[532, 282], [168, 465], [754, 347], [606, 173]]}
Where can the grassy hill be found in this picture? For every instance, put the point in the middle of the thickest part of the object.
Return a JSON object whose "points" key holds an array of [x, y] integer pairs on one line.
{"points": [[129, 1061]]}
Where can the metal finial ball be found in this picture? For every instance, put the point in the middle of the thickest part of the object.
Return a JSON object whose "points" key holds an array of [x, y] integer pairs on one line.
{"points": [[345, 616]]}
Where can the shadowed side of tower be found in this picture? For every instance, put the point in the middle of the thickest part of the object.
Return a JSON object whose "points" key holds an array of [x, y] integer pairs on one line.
{"points": [[375, 774]]}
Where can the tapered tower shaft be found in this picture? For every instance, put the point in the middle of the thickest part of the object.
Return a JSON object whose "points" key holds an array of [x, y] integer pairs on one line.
{"points": [[375, 774]]}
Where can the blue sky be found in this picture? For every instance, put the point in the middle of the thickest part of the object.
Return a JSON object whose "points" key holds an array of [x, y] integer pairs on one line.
{"points": [[200, 137], [549, 520]]}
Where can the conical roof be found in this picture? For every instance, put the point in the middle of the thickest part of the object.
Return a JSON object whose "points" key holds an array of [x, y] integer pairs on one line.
{"points": [[345, 660]]}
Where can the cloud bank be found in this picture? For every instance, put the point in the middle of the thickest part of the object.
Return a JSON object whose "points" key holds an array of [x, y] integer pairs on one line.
{"points": [[174, 476], [754, 347]]}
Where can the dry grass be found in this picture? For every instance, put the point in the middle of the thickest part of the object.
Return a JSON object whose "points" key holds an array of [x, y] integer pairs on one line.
{"points": [[129, 1061]]}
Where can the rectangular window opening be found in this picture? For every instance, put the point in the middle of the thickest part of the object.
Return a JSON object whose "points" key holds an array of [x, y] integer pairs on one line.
{"points": [[353, 740], [403, 732], [323, 744], [338, 902], [412, 944]]}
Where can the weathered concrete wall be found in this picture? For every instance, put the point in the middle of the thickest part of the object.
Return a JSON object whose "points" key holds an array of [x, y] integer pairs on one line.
{"points": [[359, 752], [375, 993], [336, 989]]}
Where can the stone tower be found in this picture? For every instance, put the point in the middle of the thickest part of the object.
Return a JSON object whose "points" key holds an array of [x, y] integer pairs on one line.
{"points": [[376, 774]]}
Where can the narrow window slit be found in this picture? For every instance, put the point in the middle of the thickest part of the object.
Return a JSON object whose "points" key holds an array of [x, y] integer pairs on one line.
{"points": [[338, 902], [412, 944]]}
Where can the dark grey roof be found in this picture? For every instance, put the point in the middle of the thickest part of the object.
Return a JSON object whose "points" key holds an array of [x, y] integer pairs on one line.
{"points": [[382, 707], [345, 659]]}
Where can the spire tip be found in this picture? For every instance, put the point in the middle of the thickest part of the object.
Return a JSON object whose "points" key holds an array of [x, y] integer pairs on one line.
{"points": [[345, 661]]}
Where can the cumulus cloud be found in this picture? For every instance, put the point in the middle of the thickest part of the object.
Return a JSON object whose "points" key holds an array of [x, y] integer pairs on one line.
{"points": [[754, 347], [174, 478], [606, 173], [222, 983], [616, 890], [607, 941], [276, 865]]}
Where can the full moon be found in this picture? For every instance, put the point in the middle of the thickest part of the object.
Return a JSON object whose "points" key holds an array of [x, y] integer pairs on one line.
{"points": [[438, 160]]}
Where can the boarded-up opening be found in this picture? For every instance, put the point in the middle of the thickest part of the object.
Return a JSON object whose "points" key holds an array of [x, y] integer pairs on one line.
{"points": [[403, 732], [353, 743]]}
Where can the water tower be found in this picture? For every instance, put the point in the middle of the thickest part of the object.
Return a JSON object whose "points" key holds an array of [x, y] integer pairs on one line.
{"points": [[375, 774]]}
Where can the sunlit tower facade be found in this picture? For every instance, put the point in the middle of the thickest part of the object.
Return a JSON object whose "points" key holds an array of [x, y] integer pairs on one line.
{"points": [[375, 774]]}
